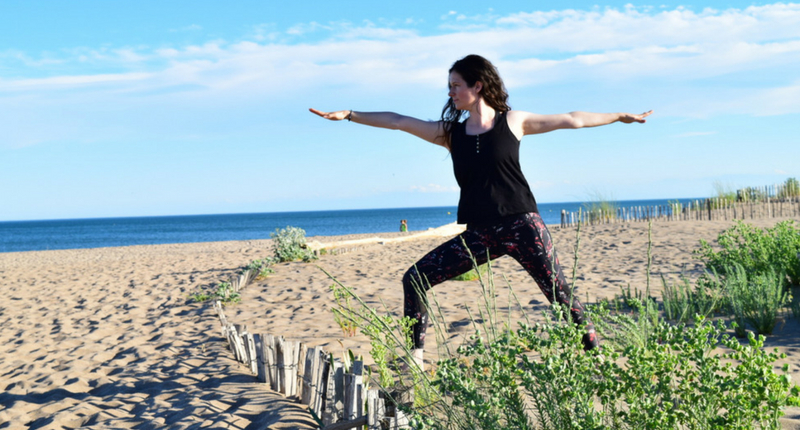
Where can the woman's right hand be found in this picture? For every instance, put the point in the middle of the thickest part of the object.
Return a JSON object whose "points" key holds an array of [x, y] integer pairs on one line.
{"points": [[333, 116]]}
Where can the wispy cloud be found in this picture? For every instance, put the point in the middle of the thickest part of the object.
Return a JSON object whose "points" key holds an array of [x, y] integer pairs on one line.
{"points": [[674, 54]]}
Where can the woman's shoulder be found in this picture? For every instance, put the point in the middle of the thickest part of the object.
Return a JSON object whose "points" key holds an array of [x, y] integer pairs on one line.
{"points": [[515, 120]]}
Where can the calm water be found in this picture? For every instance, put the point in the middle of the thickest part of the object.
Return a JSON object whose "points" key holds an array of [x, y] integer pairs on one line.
{"points": [[102, 232]]}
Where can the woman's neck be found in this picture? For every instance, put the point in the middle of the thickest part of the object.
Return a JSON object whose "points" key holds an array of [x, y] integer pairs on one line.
{"points": [[481, 115]]}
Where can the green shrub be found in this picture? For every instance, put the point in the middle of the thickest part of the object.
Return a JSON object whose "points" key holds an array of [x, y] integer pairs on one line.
{"points": [[755, 298], [655, 375], [290, 245], [756, 250], [682, 302], [794, 299]]}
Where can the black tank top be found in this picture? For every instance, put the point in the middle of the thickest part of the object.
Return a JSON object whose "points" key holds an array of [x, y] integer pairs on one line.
{"points": [[487, 170]]}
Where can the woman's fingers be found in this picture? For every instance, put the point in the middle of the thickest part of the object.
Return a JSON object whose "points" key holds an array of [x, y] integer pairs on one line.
{"points": [[629, 118], [333, 116]]}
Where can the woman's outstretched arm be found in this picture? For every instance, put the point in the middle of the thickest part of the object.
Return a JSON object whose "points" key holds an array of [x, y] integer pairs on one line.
{"points": [[524, 123], [431, 131]]}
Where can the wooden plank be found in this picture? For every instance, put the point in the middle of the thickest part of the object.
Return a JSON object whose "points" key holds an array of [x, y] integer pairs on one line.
{"points": [[345, 425], [290, 368], [252, 357], [241, 355], [271, 362], [334, 388], [228, 333], [261, 361], [400, 421], [305, 397], [375, 410], [280, 370], [301, 370], [353, 400], [320, 379]]}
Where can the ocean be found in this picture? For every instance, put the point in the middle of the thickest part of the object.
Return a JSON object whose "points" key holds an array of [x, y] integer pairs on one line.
{"points": [[16, 236]]}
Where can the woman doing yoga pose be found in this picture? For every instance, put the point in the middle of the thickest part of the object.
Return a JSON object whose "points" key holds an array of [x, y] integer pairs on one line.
{"points": [[495, 203]]}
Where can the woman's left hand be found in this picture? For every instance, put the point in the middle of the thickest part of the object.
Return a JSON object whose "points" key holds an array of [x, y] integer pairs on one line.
{"points": [[629, 118], [333, 116]]}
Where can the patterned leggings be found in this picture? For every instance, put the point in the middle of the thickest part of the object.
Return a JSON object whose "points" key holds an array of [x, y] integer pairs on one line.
{"points": [[523, 237]]}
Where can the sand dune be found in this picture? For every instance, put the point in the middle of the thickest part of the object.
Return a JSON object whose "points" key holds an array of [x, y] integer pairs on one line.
{"points": [[107, 338]]}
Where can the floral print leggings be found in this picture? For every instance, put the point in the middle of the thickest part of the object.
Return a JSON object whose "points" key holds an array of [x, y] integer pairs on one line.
{"points": [[524, 237]]}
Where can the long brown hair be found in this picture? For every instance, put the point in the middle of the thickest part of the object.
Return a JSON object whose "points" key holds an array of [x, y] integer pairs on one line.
{"points": [[474, 68]]}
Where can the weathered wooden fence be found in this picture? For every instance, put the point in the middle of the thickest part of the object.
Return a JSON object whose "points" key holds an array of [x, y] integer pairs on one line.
{"points": [[707, 209], [335, 395]]}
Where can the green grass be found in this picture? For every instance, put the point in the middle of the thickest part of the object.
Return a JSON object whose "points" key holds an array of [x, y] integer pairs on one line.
{"points": [[652, 373]]}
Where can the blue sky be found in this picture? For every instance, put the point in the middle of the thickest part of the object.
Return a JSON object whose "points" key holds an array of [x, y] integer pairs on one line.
{"points": [[162, 108]]}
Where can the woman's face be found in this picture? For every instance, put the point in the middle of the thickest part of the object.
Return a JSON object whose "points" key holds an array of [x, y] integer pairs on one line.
{"points": [[464, 96]]}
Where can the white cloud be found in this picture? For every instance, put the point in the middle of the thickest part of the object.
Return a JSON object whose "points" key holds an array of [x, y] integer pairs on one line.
{"points": [[680, 57]]}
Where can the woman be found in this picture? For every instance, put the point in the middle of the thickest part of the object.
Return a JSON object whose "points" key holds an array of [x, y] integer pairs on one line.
{"points": [[496, 202]]}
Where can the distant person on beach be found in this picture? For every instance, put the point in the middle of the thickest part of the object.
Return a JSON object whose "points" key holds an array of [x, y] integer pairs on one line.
{"points": [[496, 202], [403, 225]]}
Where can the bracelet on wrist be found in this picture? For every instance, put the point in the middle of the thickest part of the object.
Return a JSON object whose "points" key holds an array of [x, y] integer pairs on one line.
{"points": [[350, 116]]}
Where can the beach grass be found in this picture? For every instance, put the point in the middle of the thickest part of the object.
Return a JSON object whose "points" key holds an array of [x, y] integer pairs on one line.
{"points": [[651, 373]]}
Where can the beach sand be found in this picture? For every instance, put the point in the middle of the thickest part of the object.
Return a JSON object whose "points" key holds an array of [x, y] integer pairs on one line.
{"points": [[108, 338]]}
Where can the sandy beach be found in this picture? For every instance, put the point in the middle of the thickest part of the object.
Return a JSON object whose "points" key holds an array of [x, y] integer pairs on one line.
{"points": [[108, 338]]}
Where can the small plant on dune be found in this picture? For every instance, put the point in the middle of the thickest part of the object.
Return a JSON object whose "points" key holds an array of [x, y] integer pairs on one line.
{"points": [[756, 298], [601, 207], [290, 245], [724, 192], [222, 292], [262, 267], [682, 301], [343, 313]]}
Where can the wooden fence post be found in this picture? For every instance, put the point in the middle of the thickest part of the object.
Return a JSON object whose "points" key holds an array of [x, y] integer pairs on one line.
{"points": [[252, 357], [353, 397], [334, 394], [375, 410]]}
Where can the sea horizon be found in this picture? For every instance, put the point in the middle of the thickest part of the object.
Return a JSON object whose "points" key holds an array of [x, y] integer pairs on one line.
{"points": [[79, 233]]}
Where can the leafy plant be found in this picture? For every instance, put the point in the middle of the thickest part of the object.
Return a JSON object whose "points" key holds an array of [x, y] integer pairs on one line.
{"points": [[682, 301], [649, 374], [262, 267], [290, 245], [756, 250], [755, 298], [343, 313], [223, 292]]}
